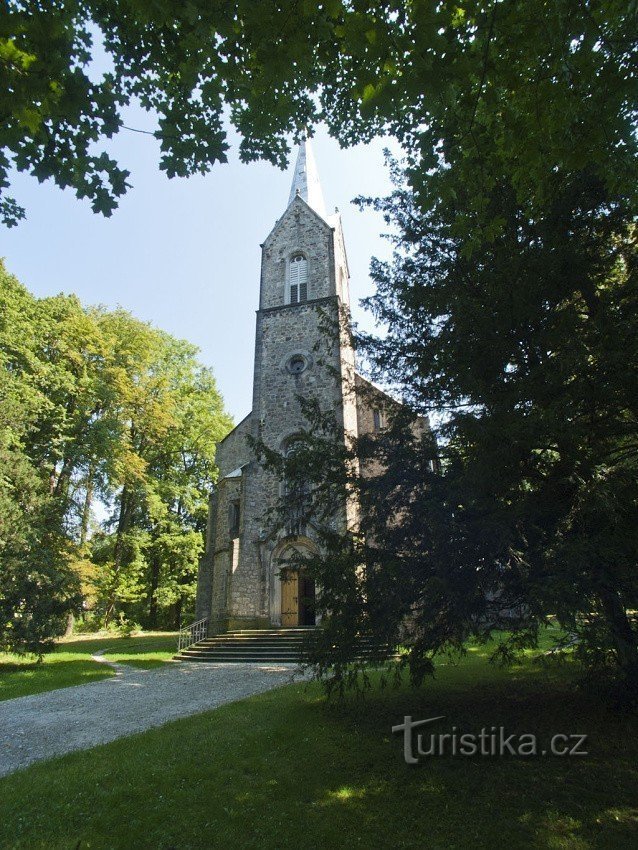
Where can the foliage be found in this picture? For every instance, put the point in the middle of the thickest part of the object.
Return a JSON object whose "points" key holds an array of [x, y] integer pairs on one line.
{"points": [[173, 419], [528, 507], [38, 588], [528, 343], [560, 81], [98, 409]]}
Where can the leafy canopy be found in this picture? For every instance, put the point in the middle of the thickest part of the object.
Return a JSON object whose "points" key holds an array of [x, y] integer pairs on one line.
{"points": [[537, 86], [108, 429]]}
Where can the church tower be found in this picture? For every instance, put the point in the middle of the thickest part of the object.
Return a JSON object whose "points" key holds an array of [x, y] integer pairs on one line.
{"points": [[304, 282]]}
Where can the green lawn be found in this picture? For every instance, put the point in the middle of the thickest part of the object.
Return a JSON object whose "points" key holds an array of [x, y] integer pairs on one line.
{"points": [[71, 662], [286, 770]]}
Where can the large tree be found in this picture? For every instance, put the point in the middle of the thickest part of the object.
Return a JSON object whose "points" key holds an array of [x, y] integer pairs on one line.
{"points": [[529, 346], [98, 409], [525, 349], [38, 587], [172, 416]]}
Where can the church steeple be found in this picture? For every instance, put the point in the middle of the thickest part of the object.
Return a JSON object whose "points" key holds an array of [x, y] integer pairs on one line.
{"points": [[305, 179]]}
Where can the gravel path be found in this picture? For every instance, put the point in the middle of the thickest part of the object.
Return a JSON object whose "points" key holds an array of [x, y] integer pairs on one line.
{"points": [[50, 724]]}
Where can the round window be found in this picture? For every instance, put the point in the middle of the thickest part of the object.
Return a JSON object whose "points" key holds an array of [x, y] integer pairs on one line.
{"points": [[297, 364]]}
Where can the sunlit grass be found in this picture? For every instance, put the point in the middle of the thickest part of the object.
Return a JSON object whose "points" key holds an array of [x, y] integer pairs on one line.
{"points": [[286, 770], [71, 663]]}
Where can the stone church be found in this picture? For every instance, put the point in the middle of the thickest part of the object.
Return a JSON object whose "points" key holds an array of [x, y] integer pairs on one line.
{"points": [[243, 583]]}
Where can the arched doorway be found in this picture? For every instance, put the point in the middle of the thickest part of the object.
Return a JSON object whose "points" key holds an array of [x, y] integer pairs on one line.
{"points": [[297, 590]]}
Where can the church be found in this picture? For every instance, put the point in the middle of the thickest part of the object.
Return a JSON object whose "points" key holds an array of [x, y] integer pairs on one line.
{"points": [[242, 582]]}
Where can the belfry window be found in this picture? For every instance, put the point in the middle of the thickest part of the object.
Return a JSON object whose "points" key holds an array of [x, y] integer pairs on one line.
{"points": [[298, 279]]}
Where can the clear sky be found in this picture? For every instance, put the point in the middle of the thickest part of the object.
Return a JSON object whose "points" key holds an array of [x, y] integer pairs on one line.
{"points": [[184, 253]]}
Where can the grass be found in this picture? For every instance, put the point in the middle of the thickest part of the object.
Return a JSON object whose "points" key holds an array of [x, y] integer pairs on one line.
{"points": [[71, 663], [287, 770]]}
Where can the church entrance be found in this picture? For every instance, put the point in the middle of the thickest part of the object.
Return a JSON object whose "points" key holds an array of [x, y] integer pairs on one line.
{"points": [[297, 599]]}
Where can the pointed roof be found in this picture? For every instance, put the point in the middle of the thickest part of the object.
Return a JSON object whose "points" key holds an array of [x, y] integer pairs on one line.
{"points": [[305, 179]]}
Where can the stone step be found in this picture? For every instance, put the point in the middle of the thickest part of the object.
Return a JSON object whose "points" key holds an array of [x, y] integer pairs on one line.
{"points": [[263, 637], [249, 643], [213, 659], [256, 647], [300, 637], [230, 655], [225, 650], [253, 657], [285, 646], [298, 630], [282, 646]]}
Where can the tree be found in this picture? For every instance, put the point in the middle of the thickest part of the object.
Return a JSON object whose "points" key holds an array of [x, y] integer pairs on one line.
{"points": [[527, 346], [548, 76], [38, 587], [171, 416], [98, 408]]}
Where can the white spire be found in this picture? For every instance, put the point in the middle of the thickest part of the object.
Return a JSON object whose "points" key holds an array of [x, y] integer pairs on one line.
{"points": [[305, 179]]}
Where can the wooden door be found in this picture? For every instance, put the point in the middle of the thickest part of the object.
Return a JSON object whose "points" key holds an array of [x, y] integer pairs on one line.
{"points": [[289, 599]]}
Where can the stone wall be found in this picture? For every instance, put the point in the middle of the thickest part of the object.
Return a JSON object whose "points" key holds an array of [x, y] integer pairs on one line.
{"points": [[233, 451], [369, 399], [299, 230]]}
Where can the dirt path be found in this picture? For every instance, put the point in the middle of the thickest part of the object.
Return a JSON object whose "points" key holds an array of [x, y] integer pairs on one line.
{"points": [[45, 725]]}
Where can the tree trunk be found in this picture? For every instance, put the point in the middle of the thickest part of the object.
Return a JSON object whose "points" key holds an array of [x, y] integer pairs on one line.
{"points": [[86, 507], [62, 484], [123, 525], [623, 637], [152, 596]]}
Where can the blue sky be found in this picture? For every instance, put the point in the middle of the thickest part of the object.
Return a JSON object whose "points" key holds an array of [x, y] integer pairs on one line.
{"points": [[184, 253]]}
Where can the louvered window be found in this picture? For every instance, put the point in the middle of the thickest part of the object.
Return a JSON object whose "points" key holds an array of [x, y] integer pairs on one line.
{"points": [[298, 279]]}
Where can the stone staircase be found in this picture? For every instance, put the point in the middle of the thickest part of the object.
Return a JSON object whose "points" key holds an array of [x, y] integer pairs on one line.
{"points": [[257, 646]]}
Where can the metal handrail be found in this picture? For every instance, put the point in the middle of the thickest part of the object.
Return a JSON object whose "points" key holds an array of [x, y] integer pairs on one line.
{"points": [[192, 634]]}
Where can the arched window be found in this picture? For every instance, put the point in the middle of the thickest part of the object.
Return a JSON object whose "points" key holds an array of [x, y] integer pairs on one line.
{"points": [[298, 279], [234, 517], [378, 418]]}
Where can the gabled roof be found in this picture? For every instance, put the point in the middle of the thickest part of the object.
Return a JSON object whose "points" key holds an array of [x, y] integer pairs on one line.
{"points": [[236, 473], [328, 222]]}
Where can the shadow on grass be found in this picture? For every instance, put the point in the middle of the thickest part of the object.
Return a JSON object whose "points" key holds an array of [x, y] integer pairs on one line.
{"points": [[287, 770]]}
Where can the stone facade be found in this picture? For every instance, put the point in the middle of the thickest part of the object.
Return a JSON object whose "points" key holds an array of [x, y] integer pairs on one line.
{"points": [[304, 289]]}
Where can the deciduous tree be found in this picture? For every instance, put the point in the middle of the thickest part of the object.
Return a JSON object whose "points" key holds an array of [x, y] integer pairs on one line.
{"points": [[98, 408]]}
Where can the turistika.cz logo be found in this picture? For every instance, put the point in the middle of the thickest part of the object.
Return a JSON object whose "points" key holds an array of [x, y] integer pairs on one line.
{"points": [[490, 742]]}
